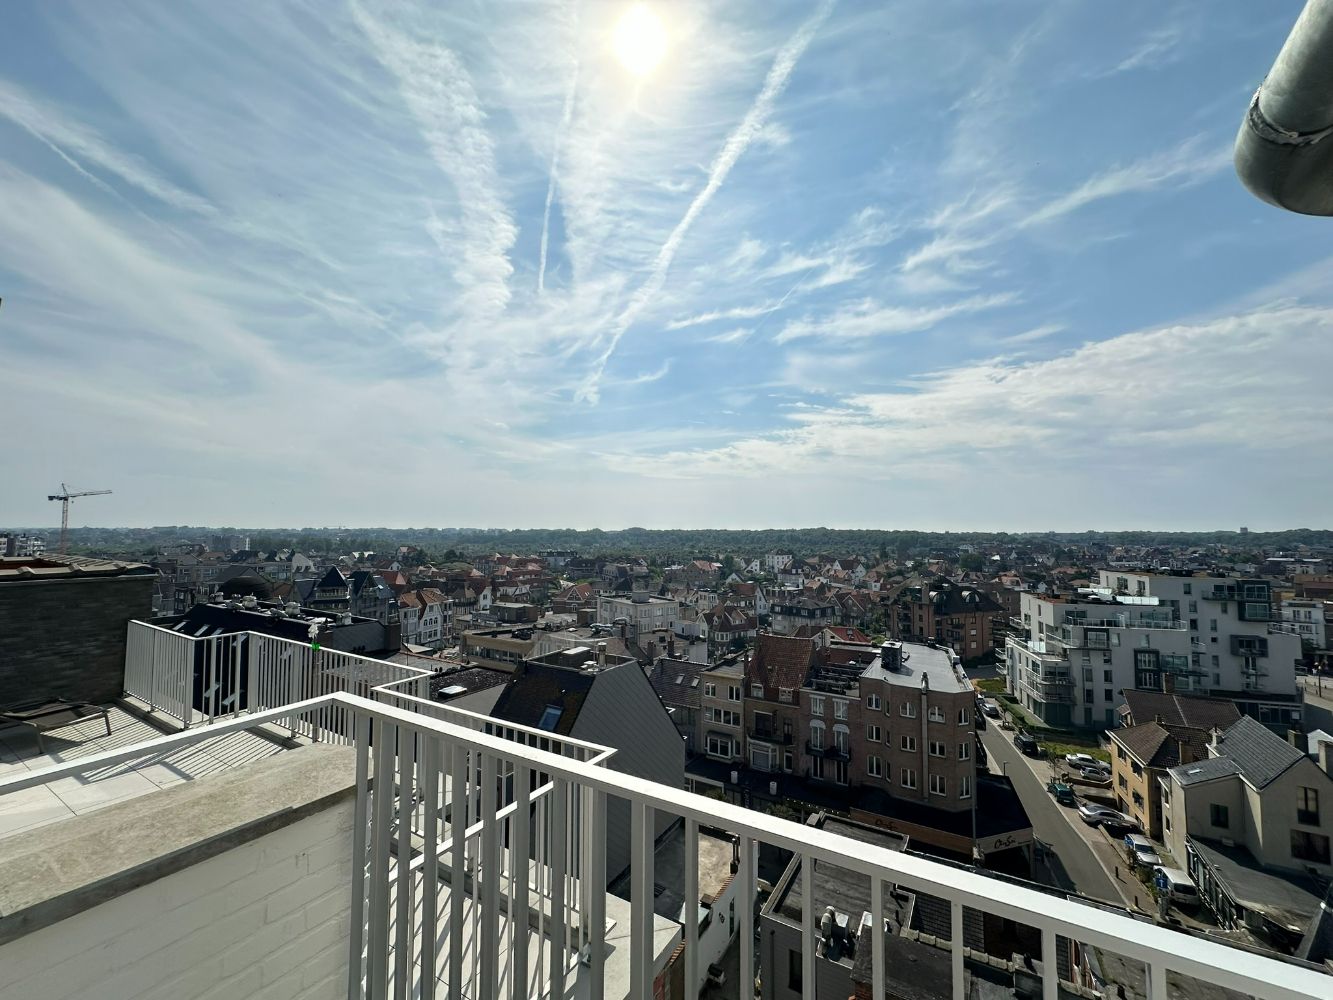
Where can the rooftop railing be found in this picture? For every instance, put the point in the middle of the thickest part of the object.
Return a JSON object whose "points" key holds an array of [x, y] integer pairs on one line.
{"points": [[501, 891]]}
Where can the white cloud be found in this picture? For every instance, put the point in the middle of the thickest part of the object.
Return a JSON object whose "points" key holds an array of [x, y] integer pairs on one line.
{"points": [[870, 318], [1160, 47], [1165, 395], [1189, 163], [736, 336], [1036, 333], [712, 316], [81, 147]]}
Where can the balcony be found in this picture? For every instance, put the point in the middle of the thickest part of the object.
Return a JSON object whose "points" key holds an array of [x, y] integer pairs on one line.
{"points": [[830, 752], [473, 866], [767, 735]]}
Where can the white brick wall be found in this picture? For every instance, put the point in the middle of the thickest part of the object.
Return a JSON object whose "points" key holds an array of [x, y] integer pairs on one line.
{"points": [[265, 921]]}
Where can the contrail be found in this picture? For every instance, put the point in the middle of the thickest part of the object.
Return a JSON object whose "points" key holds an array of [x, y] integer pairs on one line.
{"points": [[565, 118], [737, 142]]}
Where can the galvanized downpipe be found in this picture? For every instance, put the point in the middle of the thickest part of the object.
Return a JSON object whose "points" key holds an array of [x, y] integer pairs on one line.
{"points": [[1284, 152]]}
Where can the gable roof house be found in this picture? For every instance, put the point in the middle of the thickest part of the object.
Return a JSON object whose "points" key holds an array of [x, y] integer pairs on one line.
{"points": [[1253, 822], [612, 704]]}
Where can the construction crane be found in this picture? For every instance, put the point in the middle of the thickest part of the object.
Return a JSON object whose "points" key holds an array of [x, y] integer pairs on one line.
{"points": [[65, 496]]}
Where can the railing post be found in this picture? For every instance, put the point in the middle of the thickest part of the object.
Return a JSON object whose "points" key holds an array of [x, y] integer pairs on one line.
{"points": [[559, 911], [520, 906], [1050, 966], [458, 801], [691, 909], [487, 879], [956, 951], [597, 907], [361, 820], [641, 901], [747, 917], [807, 931]]}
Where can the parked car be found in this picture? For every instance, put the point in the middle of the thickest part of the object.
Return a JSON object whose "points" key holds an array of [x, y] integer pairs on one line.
{"points": [[1094, 774], [1177, 885], [1093, 814], [1077, 760], [991, 708], [1147, 858], [1027, 744], [1062, 792]]}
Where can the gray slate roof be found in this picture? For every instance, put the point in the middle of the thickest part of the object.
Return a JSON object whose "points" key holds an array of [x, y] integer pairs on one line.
{"points": [[1204, 770], [1261, 754]]}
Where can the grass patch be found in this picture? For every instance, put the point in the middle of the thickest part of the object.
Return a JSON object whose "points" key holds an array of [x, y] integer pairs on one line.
{"points": [[991, 685]]}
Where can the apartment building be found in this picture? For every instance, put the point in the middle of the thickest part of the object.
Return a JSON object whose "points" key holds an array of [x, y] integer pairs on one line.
{"points": [[1306, 618], [722, 712], [775, 674], [945, 612], [790, 609], [640, 612], [1195, 635]]}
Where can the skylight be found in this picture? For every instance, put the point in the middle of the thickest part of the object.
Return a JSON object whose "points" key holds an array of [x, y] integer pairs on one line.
{"points": [[550, 718]]}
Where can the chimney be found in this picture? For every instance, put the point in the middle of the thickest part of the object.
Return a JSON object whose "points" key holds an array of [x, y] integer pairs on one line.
{"points": [[601, 654], [1297, 739], [671, 645], [1326, 757]]}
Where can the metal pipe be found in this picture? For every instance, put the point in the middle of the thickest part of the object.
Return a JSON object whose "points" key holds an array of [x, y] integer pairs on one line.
{"points": [[1283, 153]]}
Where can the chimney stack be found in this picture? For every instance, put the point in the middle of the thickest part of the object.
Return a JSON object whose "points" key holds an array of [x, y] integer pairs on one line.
{"points": [[1326, 757], [601, 654]]}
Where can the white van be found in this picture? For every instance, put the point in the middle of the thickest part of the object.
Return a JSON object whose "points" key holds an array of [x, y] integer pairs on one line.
{"points": [[1178, 885]]}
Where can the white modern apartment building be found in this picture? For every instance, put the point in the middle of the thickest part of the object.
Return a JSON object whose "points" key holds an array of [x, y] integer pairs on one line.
{"points": [[1306, 618], [1198, 635], [642, 613]]}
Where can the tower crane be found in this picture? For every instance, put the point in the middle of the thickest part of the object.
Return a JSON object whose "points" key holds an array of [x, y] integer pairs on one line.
{"points": [[65, 496]]}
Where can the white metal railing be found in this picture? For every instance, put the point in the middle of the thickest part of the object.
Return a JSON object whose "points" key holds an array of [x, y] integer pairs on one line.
{"points": [[204, 678], [504, 884]]}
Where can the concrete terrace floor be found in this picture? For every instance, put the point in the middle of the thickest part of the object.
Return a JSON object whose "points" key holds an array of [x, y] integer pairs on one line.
{"points": [[33, 807]]}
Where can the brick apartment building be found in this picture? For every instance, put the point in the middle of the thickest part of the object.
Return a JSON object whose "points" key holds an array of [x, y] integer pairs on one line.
{"points": [[960, 617]]}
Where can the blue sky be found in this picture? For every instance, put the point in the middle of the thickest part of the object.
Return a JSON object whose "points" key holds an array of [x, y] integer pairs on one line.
{"points": [[947, 265]]}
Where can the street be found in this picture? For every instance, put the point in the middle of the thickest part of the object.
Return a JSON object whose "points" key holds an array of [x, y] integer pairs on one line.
{"points": [[1070, 863]]}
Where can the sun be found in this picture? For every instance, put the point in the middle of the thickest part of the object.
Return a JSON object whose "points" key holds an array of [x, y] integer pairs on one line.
{"points": [[640, 40]]}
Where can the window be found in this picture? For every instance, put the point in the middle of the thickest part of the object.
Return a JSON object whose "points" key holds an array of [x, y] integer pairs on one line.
{"points": [[733, 692], [710, 690], [784, 694], [1087, 694], [1307, 806], [1189, 588], [936, 713], [1124, 785], [1108, 695], [907, 710], [1106, 677], [964, 717], [908, 778], [965, 787], [756, 690], [1087, 675], [908, 744], [964, 751], [1194, 607], [873, 734], [936, 748], [1307, 846], [874, 767], [719, 746], [839, 709], [1219, 816], [816, 736], [937, 784], [550, 718], [1212, 624], [872, 702], [794, 981], [816, 705]]}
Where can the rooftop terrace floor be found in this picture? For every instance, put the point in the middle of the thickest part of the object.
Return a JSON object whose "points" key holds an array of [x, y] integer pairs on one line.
{"points": [[49, 803]]}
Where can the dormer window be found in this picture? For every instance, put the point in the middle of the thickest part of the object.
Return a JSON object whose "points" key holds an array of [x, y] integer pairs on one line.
{"points": [[784, 694]]}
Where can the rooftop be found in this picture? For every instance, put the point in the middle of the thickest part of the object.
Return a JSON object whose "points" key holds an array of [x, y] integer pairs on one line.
{"points": [[846, 891], [933, 663], [54, 567], [1286, 901]]}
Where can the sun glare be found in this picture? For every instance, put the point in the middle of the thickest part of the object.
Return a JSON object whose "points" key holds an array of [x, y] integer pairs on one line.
{"points": [[640, 40]]}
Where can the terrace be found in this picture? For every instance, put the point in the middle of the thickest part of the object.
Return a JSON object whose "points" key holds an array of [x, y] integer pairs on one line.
{"points": [[468, 861]]}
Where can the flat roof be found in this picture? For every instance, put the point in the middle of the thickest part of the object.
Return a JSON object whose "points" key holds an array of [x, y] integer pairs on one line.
{"points": [[919, 660], [56, 567], [1282, 900]]}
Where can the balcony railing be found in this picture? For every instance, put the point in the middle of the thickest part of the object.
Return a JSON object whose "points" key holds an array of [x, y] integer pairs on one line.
{"points": [[767, 735], [830, 751], [502, 893]]}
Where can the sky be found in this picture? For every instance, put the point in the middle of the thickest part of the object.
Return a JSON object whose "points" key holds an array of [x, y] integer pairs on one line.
{"points": [[732, 264]]}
